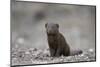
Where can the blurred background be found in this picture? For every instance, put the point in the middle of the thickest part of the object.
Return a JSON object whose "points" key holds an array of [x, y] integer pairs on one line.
{"points": [[76, 23]]}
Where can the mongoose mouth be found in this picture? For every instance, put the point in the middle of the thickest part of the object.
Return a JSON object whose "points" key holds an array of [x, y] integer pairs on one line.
{"points": [[51, 34]]}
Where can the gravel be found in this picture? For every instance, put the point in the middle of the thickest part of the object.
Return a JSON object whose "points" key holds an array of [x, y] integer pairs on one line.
{"points": [[37, 56]]}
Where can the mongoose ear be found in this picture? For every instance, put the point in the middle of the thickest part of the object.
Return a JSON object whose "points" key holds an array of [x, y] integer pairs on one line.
{"points": [[57, 25], [45, 25]]}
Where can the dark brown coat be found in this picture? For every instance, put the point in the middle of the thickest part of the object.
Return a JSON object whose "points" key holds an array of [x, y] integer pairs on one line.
{"points": [[56, 41]]}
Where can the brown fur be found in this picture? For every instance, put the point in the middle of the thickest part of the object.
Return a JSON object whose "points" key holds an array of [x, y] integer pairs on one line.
{"points": [[56, 41]]}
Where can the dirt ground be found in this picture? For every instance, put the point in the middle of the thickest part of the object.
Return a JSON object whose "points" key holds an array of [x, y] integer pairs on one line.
{"points": [[37, 56]]}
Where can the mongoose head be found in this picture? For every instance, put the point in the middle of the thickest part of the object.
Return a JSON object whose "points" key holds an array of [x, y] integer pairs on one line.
{"points": [[52, 28]]}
